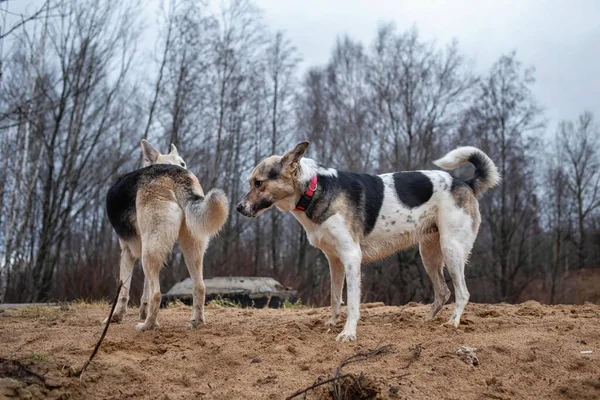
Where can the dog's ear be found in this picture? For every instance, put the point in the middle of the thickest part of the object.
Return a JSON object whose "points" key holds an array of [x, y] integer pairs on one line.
{"points": [[291, 159], [174, 150], [150, 153]]}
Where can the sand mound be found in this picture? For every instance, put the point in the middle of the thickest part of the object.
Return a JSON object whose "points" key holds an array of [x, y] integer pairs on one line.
{"points": [[524, 351]]}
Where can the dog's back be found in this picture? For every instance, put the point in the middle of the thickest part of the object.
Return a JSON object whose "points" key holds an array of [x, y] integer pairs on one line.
{"points": [[153, 182]]}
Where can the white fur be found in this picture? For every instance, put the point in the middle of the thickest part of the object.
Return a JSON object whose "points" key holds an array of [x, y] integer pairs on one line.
{"points": [[152, 156], [335, 240], [310, 168]]}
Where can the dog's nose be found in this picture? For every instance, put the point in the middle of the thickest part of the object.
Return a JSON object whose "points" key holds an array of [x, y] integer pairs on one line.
{"points": [[240, 208]]}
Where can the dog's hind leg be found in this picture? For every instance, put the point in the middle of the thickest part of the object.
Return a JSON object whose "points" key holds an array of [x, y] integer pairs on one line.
{"points": [[159, 226], [433, 260], [455, 253], [152, 263], [125, 274], [193, 253], [144, 299], [336, 269]]}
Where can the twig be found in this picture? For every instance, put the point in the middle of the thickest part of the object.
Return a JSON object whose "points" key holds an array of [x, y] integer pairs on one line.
{"points": [[338, 372], [316, 385], [416, 354], [403, 375], [378, 350], [79, 372], [363, 356], [24, 21]]}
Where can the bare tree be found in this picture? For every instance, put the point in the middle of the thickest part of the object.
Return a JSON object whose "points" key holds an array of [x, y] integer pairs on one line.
{"points": [[500, 122], [76, 98], [419, 94], [580, 142], [281, 62]]}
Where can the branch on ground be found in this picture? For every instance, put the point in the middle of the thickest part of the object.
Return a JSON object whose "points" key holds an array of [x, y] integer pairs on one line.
{"points": [[79, 371], [339, 378]]}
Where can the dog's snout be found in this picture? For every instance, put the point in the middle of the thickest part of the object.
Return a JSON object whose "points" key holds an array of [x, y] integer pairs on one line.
{"points": [[240, 208]]}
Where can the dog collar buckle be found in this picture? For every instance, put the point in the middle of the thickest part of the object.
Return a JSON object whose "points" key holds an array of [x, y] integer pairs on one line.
{"points": [[307, 196]]}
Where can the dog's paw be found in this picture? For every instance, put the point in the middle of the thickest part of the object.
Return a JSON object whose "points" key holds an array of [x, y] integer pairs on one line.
{"points": [[428, 317], [196, 323], [116, 319], [346, 337], [141, 326], [451, 323]]}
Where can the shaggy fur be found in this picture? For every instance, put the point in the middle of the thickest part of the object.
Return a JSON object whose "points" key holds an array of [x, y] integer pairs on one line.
{"points": [[150, 209], [359, 218]]}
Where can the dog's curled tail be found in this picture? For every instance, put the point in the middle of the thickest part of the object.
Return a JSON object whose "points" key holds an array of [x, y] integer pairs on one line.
{"points": [[205, 216], [486, 174]]}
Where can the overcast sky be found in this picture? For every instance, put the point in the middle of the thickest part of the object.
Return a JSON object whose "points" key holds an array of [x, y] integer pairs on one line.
{"points": [[560, 38]]}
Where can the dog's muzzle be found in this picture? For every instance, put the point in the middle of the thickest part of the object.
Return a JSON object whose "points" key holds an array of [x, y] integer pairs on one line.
{"points": [[242, 210], [253, 210]]}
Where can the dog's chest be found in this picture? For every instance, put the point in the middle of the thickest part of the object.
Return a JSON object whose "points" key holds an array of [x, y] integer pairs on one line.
{"points": [[316, 234], [329, 236]]}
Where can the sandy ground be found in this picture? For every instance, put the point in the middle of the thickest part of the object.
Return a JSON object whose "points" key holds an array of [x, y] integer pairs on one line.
{"points": [[524, 351]]}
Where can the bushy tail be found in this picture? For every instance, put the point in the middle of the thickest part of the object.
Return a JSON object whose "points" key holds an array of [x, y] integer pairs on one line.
{"points": [[486, 173], [206, 216]]}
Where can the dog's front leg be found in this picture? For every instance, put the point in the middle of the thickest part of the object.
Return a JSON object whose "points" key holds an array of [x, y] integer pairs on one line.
{"points": [[351, 260], [336, 269]]}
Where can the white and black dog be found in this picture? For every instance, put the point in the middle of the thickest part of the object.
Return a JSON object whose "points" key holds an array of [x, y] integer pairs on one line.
{"points": [[355, 218]]}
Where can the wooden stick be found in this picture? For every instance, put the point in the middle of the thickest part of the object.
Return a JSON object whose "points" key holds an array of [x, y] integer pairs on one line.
{"points": [[79, 372], [316, 385], [338, 373]]}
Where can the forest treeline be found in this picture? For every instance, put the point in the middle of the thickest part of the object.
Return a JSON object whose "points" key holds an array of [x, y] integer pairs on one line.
{"points": [[77, 95]]}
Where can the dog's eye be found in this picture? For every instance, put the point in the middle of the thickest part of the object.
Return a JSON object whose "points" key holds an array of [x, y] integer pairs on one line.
{"points": [[183, 164], [257, 184]]}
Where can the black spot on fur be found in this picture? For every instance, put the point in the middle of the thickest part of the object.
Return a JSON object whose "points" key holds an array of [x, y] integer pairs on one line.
{"points": [[413, 188], [262, 204], [393, 222], [364, 193], [120, 199], [383, 217], [481, 170], [196, 197], [274, 173]]}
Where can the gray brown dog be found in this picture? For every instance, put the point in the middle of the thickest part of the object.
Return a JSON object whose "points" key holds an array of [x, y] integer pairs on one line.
{"points": [[150, 209]]}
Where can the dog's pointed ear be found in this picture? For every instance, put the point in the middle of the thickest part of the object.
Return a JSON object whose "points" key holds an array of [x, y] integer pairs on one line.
{"points": [[150, 153], [174, 150], [291, 159]]}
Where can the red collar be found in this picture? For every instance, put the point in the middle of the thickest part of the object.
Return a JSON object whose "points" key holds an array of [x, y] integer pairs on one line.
{"points": [[306, 198]]}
